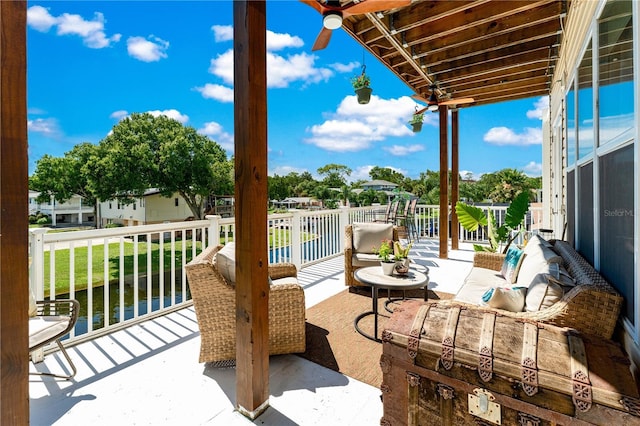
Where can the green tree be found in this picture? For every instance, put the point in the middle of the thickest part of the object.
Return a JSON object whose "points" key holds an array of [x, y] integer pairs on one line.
{"points": [[334, 175], [144, 152], [62, 177], [385, 173]]}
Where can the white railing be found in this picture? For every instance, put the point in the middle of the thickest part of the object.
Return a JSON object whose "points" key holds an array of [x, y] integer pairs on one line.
{"points": [[137, 272]]}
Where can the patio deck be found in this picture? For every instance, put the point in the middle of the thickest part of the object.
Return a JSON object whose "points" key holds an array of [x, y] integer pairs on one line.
{"points": [[148, 374]]}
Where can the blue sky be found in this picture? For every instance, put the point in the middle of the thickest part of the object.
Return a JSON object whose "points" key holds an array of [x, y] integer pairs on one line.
{"points": [[92, 63]]}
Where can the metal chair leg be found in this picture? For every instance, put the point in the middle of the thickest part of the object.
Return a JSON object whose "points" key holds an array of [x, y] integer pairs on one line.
{"points": [[60, 376]]}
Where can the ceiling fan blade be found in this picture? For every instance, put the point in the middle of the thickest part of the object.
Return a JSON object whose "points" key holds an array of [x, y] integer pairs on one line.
{"points": [[420, 111], [420, 98], [458, 101], [314, 4], [371, 6], [322, 40]]}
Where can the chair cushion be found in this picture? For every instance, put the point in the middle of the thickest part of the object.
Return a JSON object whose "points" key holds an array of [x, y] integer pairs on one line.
{"points": [[364, 259], [537, 258], [507, 298], [543, 292], [284, 280], [477, 283], [226, 262], [511, 264], [42, 329], [33, 308], [367, 236]]}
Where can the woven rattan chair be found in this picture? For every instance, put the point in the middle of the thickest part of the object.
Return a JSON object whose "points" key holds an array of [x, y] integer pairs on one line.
{"points": [[350, 266], [54, 320], [215, 305]]}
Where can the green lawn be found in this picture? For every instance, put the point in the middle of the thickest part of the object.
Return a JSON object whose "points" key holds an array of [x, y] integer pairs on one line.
{"points": [[81, 269]]}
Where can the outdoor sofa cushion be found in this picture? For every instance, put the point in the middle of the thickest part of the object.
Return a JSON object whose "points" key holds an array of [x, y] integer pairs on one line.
{"points": [[368, 236], [225, 260]]}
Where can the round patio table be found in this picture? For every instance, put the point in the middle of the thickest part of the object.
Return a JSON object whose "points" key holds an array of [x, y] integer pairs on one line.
{"points": [[373, 277]]}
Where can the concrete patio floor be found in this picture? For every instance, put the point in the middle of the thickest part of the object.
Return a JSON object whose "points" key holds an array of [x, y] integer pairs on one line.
{"points": [[148, 374]]}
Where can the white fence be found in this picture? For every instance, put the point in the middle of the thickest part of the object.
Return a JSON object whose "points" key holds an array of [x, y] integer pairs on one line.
{"points": [[137, 272]]}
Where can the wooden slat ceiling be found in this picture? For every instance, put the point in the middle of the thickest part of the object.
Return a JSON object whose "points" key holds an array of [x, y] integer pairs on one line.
{"points": [[488, 50]]}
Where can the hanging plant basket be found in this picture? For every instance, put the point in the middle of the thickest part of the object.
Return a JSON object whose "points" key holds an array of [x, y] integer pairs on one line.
{"points": [[364, 95], [416, 127], [416, 121]]}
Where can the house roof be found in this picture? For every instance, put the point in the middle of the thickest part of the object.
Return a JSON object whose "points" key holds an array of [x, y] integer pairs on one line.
{"points": [[488, 50], [379, 182]]}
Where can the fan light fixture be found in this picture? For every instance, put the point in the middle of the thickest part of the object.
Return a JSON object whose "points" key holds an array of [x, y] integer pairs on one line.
{"points": [[332, 20], [433, 102]]}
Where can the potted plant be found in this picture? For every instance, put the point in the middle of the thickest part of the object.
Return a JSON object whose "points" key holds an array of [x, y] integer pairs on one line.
{"points": [[472, 217], [416, 122], [384, 253], [401, 254], [361, 87]]}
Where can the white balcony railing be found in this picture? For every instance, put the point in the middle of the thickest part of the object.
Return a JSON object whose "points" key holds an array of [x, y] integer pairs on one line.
{"points": [[138, 271]]}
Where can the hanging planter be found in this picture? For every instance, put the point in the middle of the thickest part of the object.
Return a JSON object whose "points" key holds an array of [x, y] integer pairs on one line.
{"points": [[416, 121], [360, 85]]}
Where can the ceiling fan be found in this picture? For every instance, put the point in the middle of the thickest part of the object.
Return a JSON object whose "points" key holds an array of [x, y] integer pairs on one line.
{"points": [[333, 13], [433, 103]]}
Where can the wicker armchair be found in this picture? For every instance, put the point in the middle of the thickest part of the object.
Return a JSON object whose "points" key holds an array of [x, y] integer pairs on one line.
{"points": [[215, 305], [591, 307], [351, 264]]}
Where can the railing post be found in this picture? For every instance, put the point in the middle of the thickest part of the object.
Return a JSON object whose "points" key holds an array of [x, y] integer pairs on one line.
{"points": [[296, 238], [214, 230], [36, 274], [343, 221]]}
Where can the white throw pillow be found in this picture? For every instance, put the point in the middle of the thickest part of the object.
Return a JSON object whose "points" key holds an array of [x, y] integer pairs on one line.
{"points": [[226, 262], [510, 299], [367, 236], [542, 294]]}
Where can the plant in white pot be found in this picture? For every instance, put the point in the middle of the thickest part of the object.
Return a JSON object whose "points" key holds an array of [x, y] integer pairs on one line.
{"points": [[385, 252]]}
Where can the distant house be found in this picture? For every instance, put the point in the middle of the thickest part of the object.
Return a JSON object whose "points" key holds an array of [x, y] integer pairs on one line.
{"points": [[298, 203], [72, 211], [151, 208], [380, 185]]}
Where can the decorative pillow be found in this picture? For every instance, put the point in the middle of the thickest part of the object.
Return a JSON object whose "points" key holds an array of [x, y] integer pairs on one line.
{"points": [[33, 308], [559, 275], [510, 299], [542, 294], [226, 262], [366, 236], [511, 264]]}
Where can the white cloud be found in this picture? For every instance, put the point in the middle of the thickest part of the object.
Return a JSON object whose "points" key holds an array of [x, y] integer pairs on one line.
{"points": [[541, 107], [355, 127], [505, 136], [45, 126], [222, 33], [39, 19], [342, 68], [360, 173], [399, 150], [171, 113], [285, 170], [279, 41], [216, 91], [119, 115], [91, 31], [147, 50], [533, 169], [216, 132]]}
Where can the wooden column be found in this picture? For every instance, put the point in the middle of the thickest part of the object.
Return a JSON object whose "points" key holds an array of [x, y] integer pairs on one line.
{"points": [[14, 211], [455, 178], [252, 288], [443, 229]]}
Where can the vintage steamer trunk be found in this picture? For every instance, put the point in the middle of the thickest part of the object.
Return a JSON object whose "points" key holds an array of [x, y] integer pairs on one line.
{"points": [[443, 365]]}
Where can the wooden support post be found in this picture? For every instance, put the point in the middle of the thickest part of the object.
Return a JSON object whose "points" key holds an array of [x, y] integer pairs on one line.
{"points": [[252, 261], [443, 229], [455, 179], [14, 212]]}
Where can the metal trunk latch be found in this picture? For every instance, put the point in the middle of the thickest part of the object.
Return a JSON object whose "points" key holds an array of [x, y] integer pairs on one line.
{"points": [[481, 405]]}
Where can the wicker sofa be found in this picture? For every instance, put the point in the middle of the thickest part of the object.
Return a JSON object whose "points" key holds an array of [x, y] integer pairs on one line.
{"points": [[589, 306], [359, 242], [214, 300]]}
